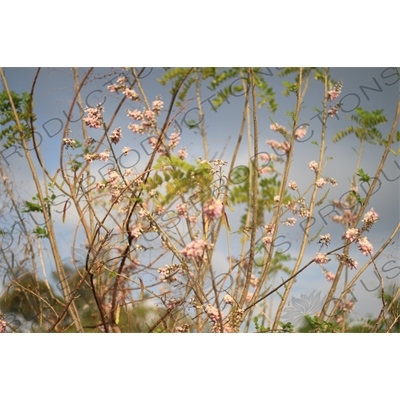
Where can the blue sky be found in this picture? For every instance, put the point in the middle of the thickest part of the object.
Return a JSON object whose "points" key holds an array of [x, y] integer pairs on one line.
{"points": [[369, 88]]}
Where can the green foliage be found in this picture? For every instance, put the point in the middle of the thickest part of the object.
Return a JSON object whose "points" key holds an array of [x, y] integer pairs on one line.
{"points": [[288, 327], [366, 130], [180, 178], [227, 82], [41, 233], [312, 325], [10, 132]]}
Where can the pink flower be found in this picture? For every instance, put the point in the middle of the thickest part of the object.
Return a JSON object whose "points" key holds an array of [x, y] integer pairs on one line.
{"points": [[113, 178], [182, 210], [320, 183], [126, 150], [325, 239], [135, 128], [279, 128], [334, 94], [267, 240], [249, 296], [300, 132], [131, 94], [289, 221], [103, 156], [330, 276], [136, 231], [212, 313], [99, 186], [94, 118], [116, 136], [157, 106], [365, 246], [182, 154], [269, 228], [321, 259], [254, 281], [334, 110], [135, 114], [3, 324], [370, 217], [352, 234], [292, 185], [228, 299], [195, 249], [149, 115], [313, 165], [174, 140], [213, 209]]}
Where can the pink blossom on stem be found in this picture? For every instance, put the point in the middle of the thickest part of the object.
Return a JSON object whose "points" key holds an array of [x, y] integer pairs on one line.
{"points": [[94, 118], [131, 94], [157, 106], [320, 183], [228, 299], [116, 135], [213, 209], [352, 234], [321, 258], [292, 185], [182, 154], [365, 246], [135, 114], [135, 128], [300, 132], [174, 140], [289, 221], [313, 166], [330, 276], [182, 210], [126, 150], [195, 249], [370, 217], [104, 155]]}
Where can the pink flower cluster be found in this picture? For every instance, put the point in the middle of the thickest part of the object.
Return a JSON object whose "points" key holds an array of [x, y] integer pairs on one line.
{"points": [[94, 117], [334, 94], [352, 234], [174, 140], [370, 217], [228, 299], [289, 221], [285, 146], [330, 276], [334, 110], [195, 249], [293, 185], [320, 183], [131, 94], [279, 128], [212, 313], [157, 106], [325, 239], [116, 135], [182, 210], [321, 258], [213, 209], [365, 246], [3, 324], [313, 165], [182, 154], [300, 132]]}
